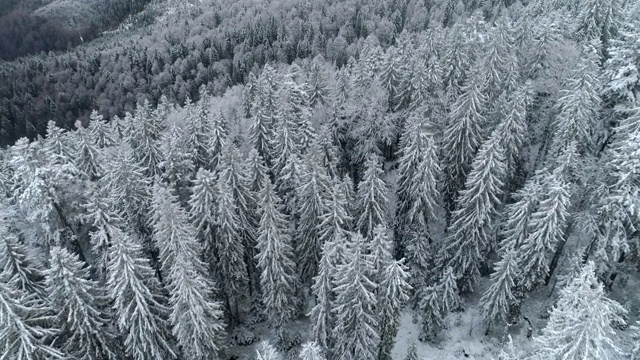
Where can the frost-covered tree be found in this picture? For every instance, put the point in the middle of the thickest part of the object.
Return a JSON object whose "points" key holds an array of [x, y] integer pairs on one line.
{"points": [[127, 187], [580, 325], [196, 318], [58, 145], [257, 170], [598, 19], [578, 119], [87, 153], [229, 250], [80, 306], [419, 173], [100, 132], [218, 137], [412, 353], [278, 279], [25, 330], [393, 293], [357, 328], [498, 298], [547, 227], [372, 199], [18, 263], [177, 163], [311, 351], [139, 306], [321, 316], [380, 250], [202, 210], [469, 234], [463, 136], [144, 137], [313, 199], [266, 352]]}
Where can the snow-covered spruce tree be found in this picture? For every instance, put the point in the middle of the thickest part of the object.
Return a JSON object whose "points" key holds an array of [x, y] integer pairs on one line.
{"points": [[257, 171], [196, 318], [229, 250], [234, 172], [177, 165], [457, 59], [419, 172], [356, 330], [266, 351], [17, 263], [412, 353], [127, 187], [469, 234], [321, 315], [202, 211], [393, 293], [463, 136], [578, 119], [87, 153], [144, 137], [278, 279], [514, 123], [380, 252], [58, 145], [311, 351], [314, 196], [432, 314], [139, 306], [371, 199], [515, 228], [25, 330], [580, 324], [81, 308], [100, 131], [288, 184], [546, 231], [219, 136], [198, 128], [498, 298], [599, 20]]}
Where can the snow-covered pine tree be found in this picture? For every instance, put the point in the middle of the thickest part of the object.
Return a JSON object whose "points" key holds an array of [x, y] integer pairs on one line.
{"points": [[371, 199], [81, 308], [266, 352], [463, 136], [599, 20], [432, 314], [498, 298], [87, 153], [257, 171], [314, 195], [288, 183], [578, 119], [457, 59], [58, 145], [17, 263], [311, 351], [412, 353], [515, 228], [514, 123], [234, 172], [469, 234], [580, 324], [218, 137], [196, 318], [393, 293], [139, 306], [546, 231], [380, 252], [199, 129], [25, 331], [229, 250], [356, 330], [127, 187], [419, 172], [100, 132], [321, 315], [144, 138], [202, 211], [278, 279], [177, 165]]}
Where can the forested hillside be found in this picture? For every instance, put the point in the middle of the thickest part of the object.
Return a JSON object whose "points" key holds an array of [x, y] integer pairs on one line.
{"points": [[327, 180]]}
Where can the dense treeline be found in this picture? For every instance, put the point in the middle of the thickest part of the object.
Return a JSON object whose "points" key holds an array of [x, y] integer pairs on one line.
{"points": [[497, 157], [25, 32], [218, 44]]}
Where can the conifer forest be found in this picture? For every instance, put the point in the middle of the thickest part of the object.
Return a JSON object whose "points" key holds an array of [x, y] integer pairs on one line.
{"points": [[319, 179]]}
